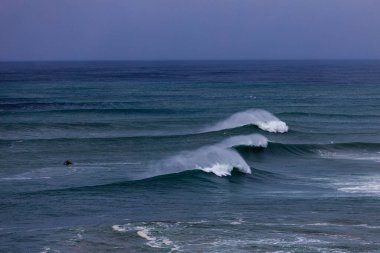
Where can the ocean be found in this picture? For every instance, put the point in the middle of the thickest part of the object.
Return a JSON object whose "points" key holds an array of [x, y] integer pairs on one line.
{"points": [[190, 156]]}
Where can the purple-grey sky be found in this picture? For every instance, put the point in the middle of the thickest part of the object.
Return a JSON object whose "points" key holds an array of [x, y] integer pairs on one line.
{"points": [[189, 29]]}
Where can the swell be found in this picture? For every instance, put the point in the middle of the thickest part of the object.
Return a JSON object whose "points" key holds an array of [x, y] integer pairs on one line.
{"points": [[108, 131], [51, 110], [196, 179], [115, 131], [336, 146], [42, 106], [272, 147], [351, 149], [339, 115], [65, 136]]}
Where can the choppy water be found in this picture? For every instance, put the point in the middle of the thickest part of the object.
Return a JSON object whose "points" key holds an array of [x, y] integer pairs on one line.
{"points": [[269, 156]]}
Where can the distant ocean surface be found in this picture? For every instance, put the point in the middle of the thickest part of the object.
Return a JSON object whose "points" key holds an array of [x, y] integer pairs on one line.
{"points": [[244, 156]]}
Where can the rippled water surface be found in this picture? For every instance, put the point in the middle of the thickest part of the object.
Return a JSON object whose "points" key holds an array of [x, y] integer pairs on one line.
{"points": [[271, 156]]}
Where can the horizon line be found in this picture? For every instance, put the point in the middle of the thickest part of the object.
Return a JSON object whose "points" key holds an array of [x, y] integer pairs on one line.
{"points": [[190, 60]]}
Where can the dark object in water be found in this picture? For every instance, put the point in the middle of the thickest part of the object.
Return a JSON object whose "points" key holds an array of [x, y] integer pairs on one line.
{"points": [[68, 163]]}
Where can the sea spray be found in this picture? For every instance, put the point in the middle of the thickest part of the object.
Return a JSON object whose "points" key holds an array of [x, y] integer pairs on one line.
{"points": [[260, 118], [255, 140], [219, 158]]}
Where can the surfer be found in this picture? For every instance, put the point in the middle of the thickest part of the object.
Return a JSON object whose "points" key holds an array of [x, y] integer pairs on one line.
{"points": [[68, 163]]}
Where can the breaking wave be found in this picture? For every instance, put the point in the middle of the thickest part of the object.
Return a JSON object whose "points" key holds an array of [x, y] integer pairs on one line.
{"points": [[260, 118], [219, 158]]}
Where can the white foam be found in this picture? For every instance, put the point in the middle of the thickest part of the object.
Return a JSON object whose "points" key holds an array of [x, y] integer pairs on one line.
{"points": [[219, 158], [22, 178], [273, 126], [45, 250], [16, 178], [237, 222], [298, 240], [359, 185], [160, 241], [144, 233], [220, 169], [261, 118], [321, 224], [374, 188], [344, 225], [211, 158], [361, 156], [119, 228], [48, 250]]}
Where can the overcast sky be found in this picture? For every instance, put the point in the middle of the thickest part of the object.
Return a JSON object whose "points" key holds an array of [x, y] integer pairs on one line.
{"points": [[189, 29]]}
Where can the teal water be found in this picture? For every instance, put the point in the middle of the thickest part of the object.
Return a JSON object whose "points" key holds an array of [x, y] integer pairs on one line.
{"points": [[261, 156]]}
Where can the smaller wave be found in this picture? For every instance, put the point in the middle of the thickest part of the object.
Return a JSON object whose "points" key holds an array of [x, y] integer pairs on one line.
{"points": [[260, 118], [341, 151], [328, 115]]}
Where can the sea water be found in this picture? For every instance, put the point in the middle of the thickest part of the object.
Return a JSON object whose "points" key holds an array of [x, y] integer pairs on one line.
{"points": [[249, 156]]}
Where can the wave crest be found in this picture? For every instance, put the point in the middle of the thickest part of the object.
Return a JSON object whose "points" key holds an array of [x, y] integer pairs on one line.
{"points": [[219, 158], [260, 118]]}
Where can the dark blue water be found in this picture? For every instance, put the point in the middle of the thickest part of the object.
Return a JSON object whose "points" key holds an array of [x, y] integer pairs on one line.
{"points": [[271, 156]]}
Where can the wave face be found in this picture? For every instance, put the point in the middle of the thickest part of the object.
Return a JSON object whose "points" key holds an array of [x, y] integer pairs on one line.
{"points": [[219, 159], [260, 118], [339, 151]]}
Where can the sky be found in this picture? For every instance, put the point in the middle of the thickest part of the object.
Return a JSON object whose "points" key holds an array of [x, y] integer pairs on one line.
{"points": [[38, 30]]}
